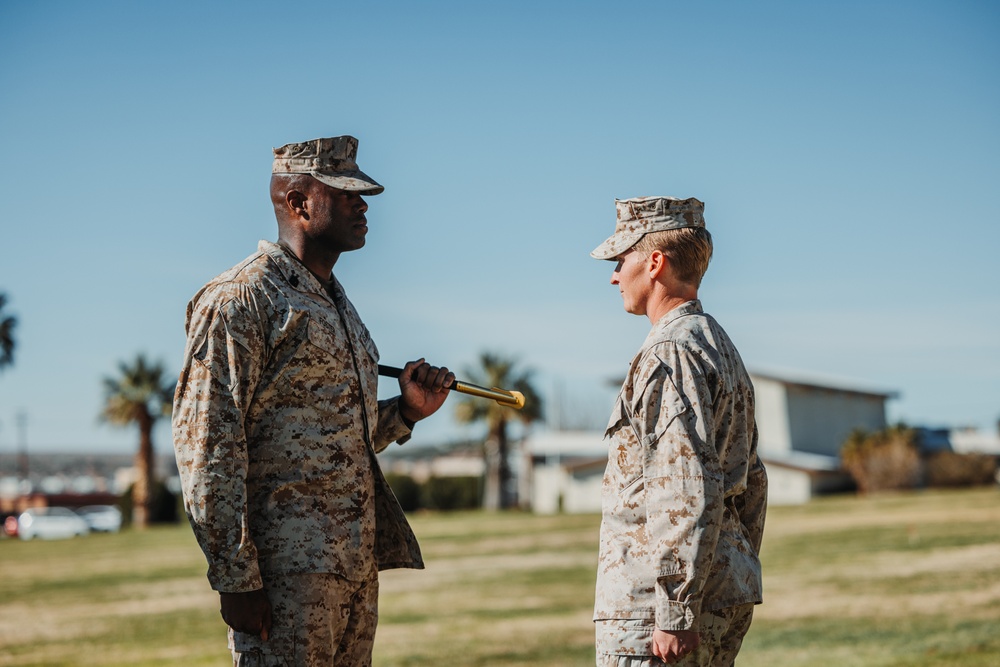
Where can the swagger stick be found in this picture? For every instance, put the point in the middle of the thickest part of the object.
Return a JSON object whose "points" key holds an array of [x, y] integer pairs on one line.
{"points": [[509, 398]]}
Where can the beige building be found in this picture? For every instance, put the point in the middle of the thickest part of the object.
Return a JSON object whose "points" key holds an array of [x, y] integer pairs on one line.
{"points": [[802, 422], [798, 413]]}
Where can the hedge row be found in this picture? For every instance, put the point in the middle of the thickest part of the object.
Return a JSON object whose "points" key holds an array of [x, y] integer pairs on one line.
{"points": [[891, 460], [437, 493]]}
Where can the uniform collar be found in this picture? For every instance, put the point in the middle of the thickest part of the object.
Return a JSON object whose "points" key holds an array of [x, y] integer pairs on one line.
{"points": [[692, 307], [295, 272]]}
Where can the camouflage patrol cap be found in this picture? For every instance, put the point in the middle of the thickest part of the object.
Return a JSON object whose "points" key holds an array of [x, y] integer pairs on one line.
{"points": [[330, 160], [643, 215]]}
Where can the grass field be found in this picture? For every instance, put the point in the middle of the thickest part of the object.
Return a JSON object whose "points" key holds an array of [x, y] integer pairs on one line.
{"points": [[899, 580]]}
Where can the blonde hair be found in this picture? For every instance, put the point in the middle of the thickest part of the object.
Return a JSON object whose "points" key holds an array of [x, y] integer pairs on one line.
{"points": [[689, 250]]}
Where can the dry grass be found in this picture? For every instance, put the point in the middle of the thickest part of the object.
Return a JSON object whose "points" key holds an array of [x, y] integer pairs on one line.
{"points": [[901, 580]]}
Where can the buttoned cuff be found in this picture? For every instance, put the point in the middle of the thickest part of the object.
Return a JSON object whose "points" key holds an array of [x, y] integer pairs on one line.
{"points": [[674, 616], [236, 577], [391, 425]]}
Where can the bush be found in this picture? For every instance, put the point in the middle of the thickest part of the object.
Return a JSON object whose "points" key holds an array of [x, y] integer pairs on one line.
{"points": [[884, 460], [953, 469], [163, 507], [406, 490], [451, 493]]}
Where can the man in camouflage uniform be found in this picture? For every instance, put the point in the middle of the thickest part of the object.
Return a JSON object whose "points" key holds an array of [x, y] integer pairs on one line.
{"points": [[684, 492], [276, 425]]}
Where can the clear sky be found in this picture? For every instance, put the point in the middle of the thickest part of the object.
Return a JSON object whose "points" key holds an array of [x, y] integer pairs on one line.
{"points": [[848, 154]]}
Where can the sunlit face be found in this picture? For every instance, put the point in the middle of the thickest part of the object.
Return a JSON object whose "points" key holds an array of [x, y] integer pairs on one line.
{"points": [[631, 276], [337, 218]]}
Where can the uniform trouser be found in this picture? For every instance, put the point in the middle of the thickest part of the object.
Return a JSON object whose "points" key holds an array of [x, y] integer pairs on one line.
{"points": [[721, 634], [317, 619]]}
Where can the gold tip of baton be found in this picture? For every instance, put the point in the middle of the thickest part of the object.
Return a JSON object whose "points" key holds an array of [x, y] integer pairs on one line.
{"points": [[505, 397], [518, 400]]}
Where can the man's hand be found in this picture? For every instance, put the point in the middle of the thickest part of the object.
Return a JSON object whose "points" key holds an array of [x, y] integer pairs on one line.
{"points": [[247, 612], [423, 389], [672, 646]]}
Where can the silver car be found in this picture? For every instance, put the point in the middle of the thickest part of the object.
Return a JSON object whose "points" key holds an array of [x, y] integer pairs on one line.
{"points": [[102, 518], [50, 523]]}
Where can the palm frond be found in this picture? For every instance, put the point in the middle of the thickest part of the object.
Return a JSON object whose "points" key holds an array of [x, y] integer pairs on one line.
{"points": [[496, 370], [138, 391], [7, 325]]}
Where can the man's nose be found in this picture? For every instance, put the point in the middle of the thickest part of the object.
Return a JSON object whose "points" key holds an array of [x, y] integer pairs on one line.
{"points": [[614, 277]]}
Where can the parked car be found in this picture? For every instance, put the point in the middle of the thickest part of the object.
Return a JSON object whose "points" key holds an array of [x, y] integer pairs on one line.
{"points": [[10, 526], [102, 518], [50, 523]]}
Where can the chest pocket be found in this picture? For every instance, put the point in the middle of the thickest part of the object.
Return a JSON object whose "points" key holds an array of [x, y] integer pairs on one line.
{"points": [[319, 366], [624, 452], [322, 336]]}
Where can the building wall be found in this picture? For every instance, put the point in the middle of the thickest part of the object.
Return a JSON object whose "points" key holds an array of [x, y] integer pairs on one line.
{"points": [[546, 481], [820, 420], [771, 412], [583, 493], [793, 421], [576, 492], [787, 486]]}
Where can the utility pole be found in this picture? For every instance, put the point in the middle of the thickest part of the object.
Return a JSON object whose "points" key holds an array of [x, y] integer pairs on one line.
{"points": [[22, 457]]}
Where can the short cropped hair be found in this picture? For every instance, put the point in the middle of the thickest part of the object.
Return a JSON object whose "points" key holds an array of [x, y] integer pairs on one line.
{"points": [[688, 249], [282, 183]]}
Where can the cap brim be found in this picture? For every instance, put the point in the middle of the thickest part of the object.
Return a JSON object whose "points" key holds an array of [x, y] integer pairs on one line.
{"points": [[352, 181], [615, 246]]}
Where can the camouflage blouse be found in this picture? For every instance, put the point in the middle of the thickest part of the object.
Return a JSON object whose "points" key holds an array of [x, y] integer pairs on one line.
{"points": [[684, 493], [276, 423]]}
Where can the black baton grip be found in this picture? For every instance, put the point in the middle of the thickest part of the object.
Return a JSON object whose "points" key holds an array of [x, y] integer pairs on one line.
{"points": [[389, 371]]}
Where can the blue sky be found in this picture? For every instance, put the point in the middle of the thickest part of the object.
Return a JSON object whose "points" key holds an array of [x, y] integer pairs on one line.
{"points": [[848, 154]]}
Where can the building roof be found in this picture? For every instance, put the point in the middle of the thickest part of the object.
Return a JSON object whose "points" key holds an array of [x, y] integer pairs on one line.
{"points": [[816, 381], [567, 443], [805, 461], [584, 465], [454, 449]]}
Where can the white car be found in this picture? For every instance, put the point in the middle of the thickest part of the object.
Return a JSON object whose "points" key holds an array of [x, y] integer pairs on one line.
{"points": [[102, 518], [50, 523]]}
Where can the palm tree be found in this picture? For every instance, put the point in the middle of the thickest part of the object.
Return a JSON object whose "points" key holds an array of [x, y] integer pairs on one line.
{"points": [[497, 371], [7, 324], [139, 395]]}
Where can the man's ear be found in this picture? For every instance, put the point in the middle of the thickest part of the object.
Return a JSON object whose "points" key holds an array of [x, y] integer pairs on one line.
{"points": [[298, 203], [656, 264]]}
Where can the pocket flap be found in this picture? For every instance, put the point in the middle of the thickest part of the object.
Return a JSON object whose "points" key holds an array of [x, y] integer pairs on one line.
{"points": [[322, 337]]}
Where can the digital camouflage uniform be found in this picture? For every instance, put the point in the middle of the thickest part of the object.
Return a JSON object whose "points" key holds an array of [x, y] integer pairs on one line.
{"points": [[276, 425], [684, 495]]}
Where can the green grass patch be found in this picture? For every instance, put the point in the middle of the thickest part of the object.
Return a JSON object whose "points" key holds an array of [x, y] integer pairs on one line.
{"points": [[902, 580], [871, 642]]}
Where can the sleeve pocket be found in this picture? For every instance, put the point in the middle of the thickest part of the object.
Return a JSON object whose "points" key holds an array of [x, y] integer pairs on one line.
{"points": [[211, 356], [659, 407]]}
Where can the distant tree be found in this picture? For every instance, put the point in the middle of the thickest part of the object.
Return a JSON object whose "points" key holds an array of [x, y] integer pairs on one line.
{"points": [[141, 396], [7, 324], [496, 371], [884, 460]]}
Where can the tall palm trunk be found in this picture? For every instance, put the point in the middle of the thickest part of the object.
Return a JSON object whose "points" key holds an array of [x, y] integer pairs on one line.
{"points": [[142, 491], [139, 396], [496, 371], [496, 494]]}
